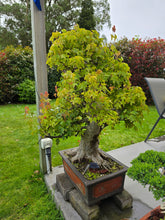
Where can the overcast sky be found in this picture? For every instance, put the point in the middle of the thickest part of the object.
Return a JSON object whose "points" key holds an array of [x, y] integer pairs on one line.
{"points": [[145, 18]]}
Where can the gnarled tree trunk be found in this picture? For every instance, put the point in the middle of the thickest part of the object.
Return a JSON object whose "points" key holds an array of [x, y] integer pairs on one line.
{"points": [[89, 146]]}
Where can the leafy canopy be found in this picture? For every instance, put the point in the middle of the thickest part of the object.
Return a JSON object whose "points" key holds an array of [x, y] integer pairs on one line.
{"points": [[94, 86]]}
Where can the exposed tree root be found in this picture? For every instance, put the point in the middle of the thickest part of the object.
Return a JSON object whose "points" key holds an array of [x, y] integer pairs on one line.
{"points": [[71, 152], [98, 157], [89, 148]]}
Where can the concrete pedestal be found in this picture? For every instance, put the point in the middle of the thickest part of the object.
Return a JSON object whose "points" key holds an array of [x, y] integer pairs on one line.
{"points": [[123, 200], [108, 208]]}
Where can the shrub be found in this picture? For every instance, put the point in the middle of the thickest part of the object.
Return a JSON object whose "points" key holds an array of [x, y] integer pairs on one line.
{"points": [[146, 58], [125, 47], [146, 170], [27, 91], [16, 65]]}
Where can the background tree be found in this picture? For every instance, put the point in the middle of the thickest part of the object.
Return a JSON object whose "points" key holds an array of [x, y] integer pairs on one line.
{"points": [[94, 92], [86, 19], [16, 25]]}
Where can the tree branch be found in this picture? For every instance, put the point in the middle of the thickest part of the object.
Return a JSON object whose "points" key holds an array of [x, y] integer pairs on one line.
{"points": [[52, 137]]}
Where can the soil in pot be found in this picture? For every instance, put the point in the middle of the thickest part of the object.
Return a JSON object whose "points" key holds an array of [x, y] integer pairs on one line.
{"points": [[92, 171]]}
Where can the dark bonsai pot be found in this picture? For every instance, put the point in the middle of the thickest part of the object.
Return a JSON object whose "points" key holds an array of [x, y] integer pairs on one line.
{"points": [[155, 214], [93, 191]]}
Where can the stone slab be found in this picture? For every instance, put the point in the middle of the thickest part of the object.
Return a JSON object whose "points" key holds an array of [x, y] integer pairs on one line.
{"points": [[123, 200], [69, 192], [85, 211], [66, 208], [109, 211], [64, 185]]}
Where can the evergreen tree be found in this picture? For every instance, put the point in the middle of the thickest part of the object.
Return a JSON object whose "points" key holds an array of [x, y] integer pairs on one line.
{"points": [[87, 19]]}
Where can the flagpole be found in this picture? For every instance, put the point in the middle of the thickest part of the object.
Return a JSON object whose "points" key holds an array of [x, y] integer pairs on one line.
{"points": [[39, 57]]}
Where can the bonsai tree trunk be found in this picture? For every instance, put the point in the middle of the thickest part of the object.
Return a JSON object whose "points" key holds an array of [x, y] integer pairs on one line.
{"points": [[89, 146]]}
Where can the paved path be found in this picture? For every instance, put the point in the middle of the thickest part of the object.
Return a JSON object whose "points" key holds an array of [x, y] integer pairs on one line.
{"points": [[143, 199]]}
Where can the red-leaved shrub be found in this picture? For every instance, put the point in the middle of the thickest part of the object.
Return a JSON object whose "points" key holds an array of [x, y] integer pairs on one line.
{"points": [[146, 58]]}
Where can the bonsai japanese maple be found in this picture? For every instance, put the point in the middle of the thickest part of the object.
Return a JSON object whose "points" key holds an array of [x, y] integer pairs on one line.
{"points": [[94, 92]]}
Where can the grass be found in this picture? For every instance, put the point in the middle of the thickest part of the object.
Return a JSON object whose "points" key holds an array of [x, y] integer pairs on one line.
{"points": [[22, 189]]}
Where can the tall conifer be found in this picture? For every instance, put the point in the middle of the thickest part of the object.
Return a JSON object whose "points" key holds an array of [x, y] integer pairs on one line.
{"points": [[86, 19]]}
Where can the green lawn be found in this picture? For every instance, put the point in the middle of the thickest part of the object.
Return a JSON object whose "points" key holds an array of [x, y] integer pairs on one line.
{"points": [[23, 194]]}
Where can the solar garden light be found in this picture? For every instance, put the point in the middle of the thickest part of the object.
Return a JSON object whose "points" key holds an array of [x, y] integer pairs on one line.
{"points": [[46, 145]]}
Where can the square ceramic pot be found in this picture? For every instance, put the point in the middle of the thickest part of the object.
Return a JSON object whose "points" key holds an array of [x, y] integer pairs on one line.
{"points": [[93, 191]]}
